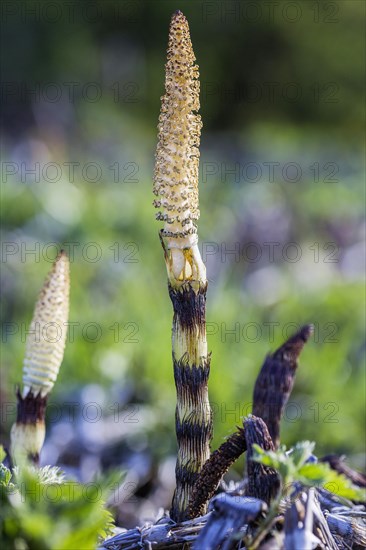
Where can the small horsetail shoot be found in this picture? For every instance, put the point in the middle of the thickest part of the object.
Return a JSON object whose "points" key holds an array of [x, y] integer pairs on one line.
{"points": [[44, 353], [176, 188]]}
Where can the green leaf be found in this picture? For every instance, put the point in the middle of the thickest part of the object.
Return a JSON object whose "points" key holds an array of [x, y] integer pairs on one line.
{"points": [[322, 475], [267, 458], [5, 476], [301, 452], [47, 512]]}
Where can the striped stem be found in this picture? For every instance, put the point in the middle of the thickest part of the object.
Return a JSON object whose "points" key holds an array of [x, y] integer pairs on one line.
{"points": [[176, 189], [44, 352], [193, 414]]}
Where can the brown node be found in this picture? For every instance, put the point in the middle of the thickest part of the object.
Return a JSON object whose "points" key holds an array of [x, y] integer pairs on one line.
{"points": [[31, 408]]}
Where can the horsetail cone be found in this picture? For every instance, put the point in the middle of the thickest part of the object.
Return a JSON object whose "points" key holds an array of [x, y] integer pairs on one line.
{"points": [[177, 157], [44, 353], [176, 188], [45, 344]]}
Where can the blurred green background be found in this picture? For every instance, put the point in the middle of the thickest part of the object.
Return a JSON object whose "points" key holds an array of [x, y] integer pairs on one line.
{"points": [[282, 103]]}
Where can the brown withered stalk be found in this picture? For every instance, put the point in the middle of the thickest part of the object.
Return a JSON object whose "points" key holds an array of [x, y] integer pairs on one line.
{"points": [[263, 482], [275, 381], [213, 470]]}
